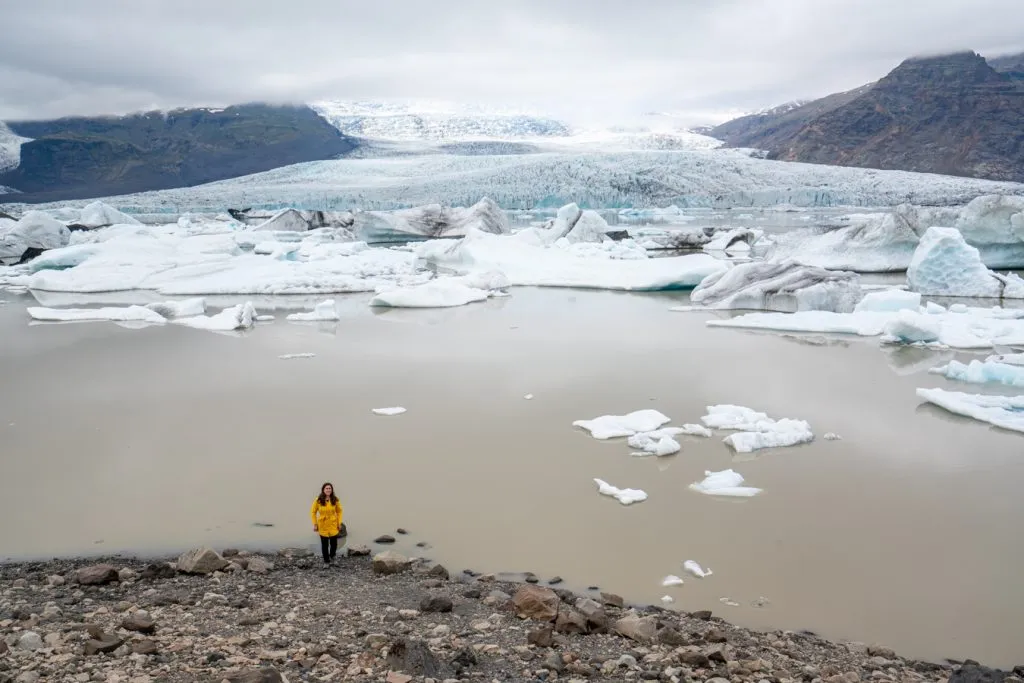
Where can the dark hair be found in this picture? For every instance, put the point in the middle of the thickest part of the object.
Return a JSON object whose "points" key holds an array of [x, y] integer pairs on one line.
{"points": [[323, 496]]}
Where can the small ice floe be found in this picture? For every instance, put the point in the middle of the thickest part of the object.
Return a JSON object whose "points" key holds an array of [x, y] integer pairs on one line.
{"points": [[179, 309], [395, 410], [324, 311], [760, 602], [978, 372], [614, 426], [729, 602], [291, 356], [653, 443], [624, 496], [831, 436], [528, 397], [667, 599], [672, 580], [694, 568], [240, 317], [724, 483], [107, 314], [264, 318], [758, 430], [1000, 411], [695, 430]]}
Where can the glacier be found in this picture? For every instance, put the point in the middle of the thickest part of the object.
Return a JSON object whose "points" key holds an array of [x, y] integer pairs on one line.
{"points": [[779, 286], [945, 265]]}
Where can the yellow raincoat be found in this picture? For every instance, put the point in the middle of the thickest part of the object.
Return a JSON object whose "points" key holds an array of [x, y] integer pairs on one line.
{"points": [[326, 518]]}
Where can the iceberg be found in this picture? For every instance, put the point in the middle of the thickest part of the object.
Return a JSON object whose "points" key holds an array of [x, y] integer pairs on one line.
{"points": [[735, 240], [1006, 412], [671, 580], [624, 496], [325, 311], [652, 443], [756, 430], [179, 309], [781, 286], [295, 356], [240, 317], [889, 300], [692, 567], [911, 327], [100, 215], [107, 314], [430, 222], [35, 230], [724, 483], [614, 426], [978, 372], [287, 220], [527, 261], [945, 265], [995, 225]]}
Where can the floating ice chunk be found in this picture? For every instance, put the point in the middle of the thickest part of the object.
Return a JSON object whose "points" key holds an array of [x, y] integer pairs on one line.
{"points": [[439, 293], [694, 568], [695, 430], [667, 599], [590, 227], [831, 436], [179, 309], [945, 265], [781, 433], [613, 426], [910, 327], [291, 356], [724, 483], [395, 410], [624, 496], [738, 239], [933, 308], [654, 445], [866, 324], [528, 397], [112, 314], [728, 602], [99, 215], [995, 225], [264, 318], [323, 311], [671, 580], [978, 372], [430, 222], [240, 317], [1001, 411], [783, 286], [890, 300], [727, 416]]}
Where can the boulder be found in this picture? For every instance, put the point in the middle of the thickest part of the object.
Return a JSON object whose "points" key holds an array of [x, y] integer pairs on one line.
{"points": [[160, 570], [595, 613], [637, 628], [201, 561], [541, 637], [671, 637], [358, 551], [30, 640], [535, 602], [415, 658], [975, 673], [141, 623], [145, 647], [612, 600], [97, 575], [571, 622], [107, 643], [262, 675], [390, 562], [436, 603], [255, 564]]}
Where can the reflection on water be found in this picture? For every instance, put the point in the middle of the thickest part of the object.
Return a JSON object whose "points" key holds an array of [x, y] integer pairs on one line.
{"points": [[850, 538]]}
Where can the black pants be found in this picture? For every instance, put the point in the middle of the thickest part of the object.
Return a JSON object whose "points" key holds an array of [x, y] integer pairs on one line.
{"points": [[329, 547]]}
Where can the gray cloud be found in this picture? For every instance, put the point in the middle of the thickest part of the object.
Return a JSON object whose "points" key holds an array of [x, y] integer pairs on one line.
{"points": [[585, 59]]}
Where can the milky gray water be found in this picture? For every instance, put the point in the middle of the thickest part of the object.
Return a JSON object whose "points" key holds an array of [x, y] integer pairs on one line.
{"points": [[905, 532]]}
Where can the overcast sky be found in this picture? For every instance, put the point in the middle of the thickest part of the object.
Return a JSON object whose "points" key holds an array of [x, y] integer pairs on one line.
{"points": [[585, 59]]}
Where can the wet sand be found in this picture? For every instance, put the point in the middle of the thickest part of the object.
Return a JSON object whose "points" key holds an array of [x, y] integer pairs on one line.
{"points": [[905, 532]]}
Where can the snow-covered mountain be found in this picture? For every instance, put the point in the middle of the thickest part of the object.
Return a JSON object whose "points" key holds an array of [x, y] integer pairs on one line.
{"points": [[10, 148], [445, 125]]}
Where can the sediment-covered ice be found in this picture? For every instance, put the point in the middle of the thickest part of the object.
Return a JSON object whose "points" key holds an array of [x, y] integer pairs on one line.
{"points": [[286, 220], [325, 311], [179, 309], [781, 286], [624, 496], [528, 261], [430, 222], [725, 483], [979, 372], [756, 430], [945, 265], [614, 426], [109, 314], [1006, 412], [735, 240], [694, 568]]}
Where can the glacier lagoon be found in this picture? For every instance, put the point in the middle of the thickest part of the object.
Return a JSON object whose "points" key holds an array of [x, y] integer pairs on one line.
{"points": [[890, 534]]}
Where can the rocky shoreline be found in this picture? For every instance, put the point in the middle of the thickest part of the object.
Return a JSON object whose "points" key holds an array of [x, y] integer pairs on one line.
{"points": [[259, 618]]}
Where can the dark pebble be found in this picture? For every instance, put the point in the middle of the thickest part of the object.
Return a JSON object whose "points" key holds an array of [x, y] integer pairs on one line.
{"points": [[401, 531], [555, 581], [384, 539]]}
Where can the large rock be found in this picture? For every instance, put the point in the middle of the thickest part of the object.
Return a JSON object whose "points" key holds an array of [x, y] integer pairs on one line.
{"points": [[595, 613], [535, 602], [436, 603], [159, 570], [571, 622], [263, 675], [30, 640], [414, 657], [390, 562], [635, 627], [141, 623], [201, 561], [945, 265], [106, 643], [786, 286], [974, 673], [97, 575]]}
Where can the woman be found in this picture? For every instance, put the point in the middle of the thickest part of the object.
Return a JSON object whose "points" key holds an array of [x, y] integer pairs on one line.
{"points": [[326, 514]]}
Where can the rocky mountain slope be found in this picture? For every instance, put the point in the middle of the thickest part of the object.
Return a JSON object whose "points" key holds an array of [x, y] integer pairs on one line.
{"points": [[952, 114], [82, 157]]}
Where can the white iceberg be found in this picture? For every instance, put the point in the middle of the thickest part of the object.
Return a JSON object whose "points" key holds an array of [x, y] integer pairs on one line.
{"points": [[667, 599], [111, 314], [911, 327], [1006, 412], [100, 215], [978, 372], [694, 568], [671, 580], [889, 300], [527, 261], [430, 222], [725, 483], [945, 265], [624, 496], [443, 292], [394, 410], [35, 230], [239, 317], [614, 426], [695, 430], [651, 443], [324, 311], [756, 430], [781, 286]]}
